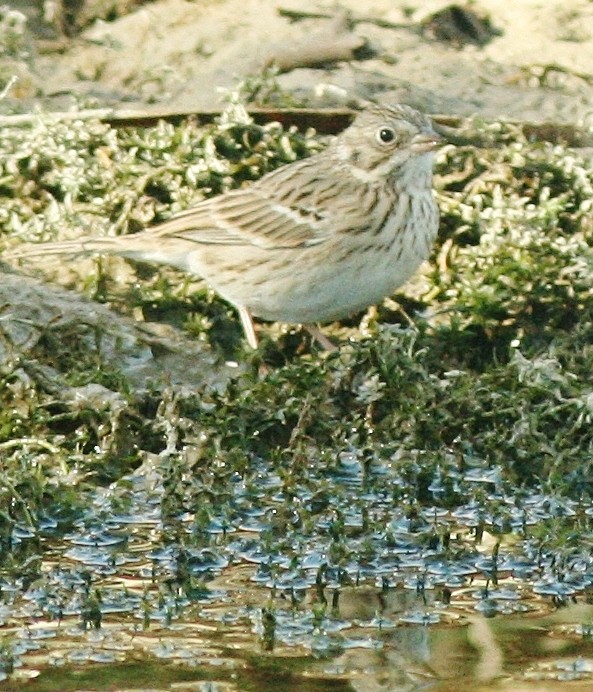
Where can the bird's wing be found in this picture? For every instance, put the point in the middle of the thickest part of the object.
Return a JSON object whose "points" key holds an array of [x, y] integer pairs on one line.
{"points": [[258, 215]]}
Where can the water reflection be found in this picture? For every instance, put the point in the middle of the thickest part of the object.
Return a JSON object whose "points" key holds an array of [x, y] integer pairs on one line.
{"points": [[343, 586]]}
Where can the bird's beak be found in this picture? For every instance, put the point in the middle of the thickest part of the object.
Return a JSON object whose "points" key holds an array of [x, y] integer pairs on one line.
{"points": [[426, 141]]}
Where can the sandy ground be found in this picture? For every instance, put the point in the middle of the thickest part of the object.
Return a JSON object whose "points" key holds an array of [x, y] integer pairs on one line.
{"points": [[179, 55]]}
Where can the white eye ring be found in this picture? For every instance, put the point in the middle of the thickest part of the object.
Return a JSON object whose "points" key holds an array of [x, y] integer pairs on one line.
{"points": [[385, 135]]}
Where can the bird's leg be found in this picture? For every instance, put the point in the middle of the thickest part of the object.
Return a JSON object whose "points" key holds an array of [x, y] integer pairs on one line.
{"points": [[248, 327], [313, 329], [320, 337]]}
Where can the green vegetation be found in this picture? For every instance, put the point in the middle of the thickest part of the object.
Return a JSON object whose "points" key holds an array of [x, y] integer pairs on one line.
{"points": [[495, 363], [469, 394]]}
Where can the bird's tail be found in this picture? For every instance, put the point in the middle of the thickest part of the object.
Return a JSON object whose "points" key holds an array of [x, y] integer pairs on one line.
{"points": [[143, 247], [109, 245]]}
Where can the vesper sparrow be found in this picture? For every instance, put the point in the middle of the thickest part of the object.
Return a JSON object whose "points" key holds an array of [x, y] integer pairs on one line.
{"points": [[313, 241]]}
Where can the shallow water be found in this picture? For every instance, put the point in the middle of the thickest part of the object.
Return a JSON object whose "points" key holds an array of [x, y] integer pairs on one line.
{"points": [[253, 600]]}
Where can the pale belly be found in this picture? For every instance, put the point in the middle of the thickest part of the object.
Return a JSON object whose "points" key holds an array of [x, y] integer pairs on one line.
{"points": [[313, 291]]}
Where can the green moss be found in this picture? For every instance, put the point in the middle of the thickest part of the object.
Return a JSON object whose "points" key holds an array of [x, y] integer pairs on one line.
{"points": [[508, 291], [472, 394]]}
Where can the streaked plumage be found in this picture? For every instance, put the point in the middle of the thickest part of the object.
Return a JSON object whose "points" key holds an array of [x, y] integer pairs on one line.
{"points": [[310, 242]]}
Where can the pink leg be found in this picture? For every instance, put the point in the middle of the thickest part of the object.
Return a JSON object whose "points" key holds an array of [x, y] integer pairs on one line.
{"points": [[248, 327], [320, 337]]}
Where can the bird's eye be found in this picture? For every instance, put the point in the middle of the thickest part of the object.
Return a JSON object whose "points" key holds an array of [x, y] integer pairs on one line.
{"points": [[385, 135]]}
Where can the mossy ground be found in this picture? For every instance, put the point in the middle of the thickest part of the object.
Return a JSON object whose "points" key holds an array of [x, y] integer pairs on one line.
{"points": [[458, 409]]}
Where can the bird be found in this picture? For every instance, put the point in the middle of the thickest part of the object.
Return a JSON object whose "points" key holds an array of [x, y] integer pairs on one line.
{"points": [[311, 242]]}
